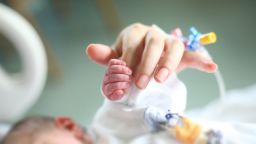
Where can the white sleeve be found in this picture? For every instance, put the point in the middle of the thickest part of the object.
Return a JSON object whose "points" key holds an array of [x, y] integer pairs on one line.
{"points": [[155, 138], [125, 119], [4, 128], [170, 95], [120, 121]]}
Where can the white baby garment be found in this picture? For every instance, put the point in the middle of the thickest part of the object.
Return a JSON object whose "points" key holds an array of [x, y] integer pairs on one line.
{"points": [[124, 120]]}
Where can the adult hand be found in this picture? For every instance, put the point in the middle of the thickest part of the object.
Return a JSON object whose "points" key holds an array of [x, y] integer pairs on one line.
{"points": [[148, 51]]}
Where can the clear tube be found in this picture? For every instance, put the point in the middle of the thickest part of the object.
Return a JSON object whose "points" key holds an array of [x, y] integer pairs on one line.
{"points": [[221, 84], [218, 77]]}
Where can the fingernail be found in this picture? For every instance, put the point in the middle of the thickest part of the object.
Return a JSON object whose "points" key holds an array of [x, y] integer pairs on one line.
{"points": [[212, 67], [143, 81], [177, 32], [162, 74]]}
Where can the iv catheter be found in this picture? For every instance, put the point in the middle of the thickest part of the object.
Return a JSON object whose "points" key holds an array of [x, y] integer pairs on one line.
{"points": [[195, 42]]}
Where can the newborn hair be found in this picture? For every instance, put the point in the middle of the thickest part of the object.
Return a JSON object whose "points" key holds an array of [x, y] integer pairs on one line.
{"points": [[26, 130]]}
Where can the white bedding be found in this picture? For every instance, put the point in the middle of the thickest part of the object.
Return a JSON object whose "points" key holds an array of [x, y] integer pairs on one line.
{"points": [[235, 116], [238, 105], [4, 128]]}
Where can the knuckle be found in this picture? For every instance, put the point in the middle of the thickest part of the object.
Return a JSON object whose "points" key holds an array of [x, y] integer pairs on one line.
{"points": [[133, 36], [146, 69], [136, 29], [178, 43], [129, 41], [137, 26], [168, 64], [154, 37], [155, 40]]}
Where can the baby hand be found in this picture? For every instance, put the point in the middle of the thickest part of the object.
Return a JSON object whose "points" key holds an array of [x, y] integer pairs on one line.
{"points": [[116, 80]]}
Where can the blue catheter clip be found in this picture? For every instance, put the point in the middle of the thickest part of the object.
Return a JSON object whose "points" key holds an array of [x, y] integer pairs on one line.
{"points": [[196, 40]]}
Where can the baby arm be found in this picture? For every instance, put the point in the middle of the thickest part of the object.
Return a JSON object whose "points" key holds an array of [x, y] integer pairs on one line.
{"points": [[117, 79]]}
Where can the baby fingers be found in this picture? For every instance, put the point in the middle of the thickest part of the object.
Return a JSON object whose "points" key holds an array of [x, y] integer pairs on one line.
{"points": [[110, 88], [116, 62], [119, 69], [116, 95], [117, 78]]}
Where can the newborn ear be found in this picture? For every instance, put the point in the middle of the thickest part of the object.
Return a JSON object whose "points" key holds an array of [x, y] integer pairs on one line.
{"points": [[69, 125], [64, 122]]}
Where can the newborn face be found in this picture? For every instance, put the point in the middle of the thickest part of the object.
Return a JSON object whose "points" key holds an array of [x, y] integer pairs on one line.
{"points": [[60, 136]]}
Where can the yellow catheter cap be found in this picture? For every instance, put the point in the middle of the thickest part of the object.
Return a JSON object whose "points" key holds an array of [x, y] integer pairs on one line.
{"points": [[208, 38]]}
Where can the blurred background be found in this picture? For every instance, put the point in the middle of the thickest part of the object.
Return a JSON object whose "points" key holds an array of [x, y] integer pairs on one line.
{"points": [[68, 26]]}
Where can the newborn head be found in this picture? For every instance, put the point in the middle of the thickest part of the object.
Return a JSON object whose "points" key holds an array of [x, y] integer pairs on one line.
{"points": [[45, 130]]}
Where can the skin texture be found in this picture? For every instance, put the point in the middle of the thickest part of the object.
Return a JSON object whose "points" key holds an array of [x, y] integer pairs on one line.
{"points": [[147, 51], [116, 79], [55, 136], [58, 136]]}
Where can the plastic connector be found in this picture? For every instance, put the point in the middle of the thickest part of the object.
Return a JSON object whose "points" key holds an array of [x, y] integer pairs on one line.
{"points": [[208, 38], [196, 40]]}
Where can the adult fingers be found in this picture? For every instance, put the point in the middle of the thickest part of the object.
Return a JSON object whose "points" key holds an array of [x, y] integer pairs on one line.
{"points": [[174, 50], [133, 44], [198, 61], [154, 45], [100, 53], [129, 44]]}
